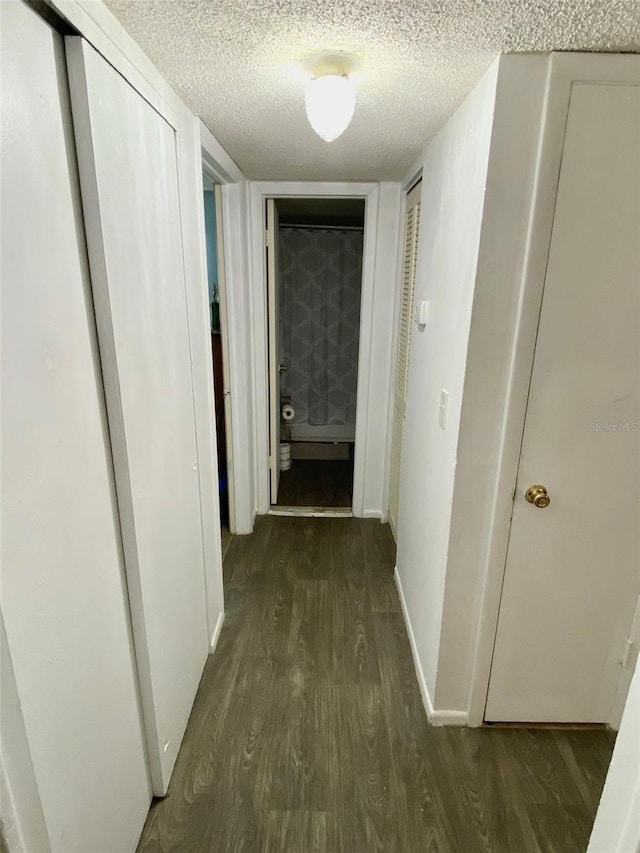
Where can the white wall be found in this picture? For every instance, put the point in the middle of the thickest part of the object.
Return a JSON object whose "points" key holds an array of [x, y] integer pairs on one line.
{"points": [[453, 188], [504, 243], [617, 824], [22, 820]]}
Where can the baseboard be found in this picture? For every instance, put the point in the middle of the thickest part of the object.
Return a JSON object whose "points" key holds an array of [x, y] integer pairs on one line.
{"points": [[436, 718], [371, 513], [216, 633], [422, 683], [449, 718], [243, 529]]}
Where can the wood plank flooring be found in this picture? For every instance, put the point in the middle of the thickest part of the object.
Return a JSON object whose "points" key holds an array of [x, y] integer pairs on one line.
{"points": [[308, 733], [317, 482]]}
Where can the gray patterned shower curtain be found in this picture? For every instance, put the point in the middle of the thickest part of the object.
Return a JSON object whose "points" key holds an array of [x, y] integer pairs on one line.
{"points": [[321, 277]]}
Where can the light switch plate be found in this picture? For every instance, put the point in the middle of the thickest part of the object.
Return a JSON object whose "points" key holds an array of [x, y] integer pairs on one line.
{"points": [[423, 312], [443, 408]]}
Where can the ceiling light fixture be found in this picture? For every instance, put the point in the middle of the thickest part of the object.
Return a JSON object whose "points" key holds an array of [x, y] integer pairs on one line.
{"points": [[330, 98]]}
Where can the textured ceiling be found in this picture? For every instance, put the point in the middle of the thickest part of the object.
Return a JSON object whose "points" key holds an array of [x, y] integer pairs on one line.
{"points": [[236, 64]]}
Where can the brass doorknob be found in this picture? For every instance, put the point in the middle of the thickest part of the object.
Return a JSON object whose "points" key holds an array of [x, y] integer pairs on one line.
{"points": [[537, 495]]}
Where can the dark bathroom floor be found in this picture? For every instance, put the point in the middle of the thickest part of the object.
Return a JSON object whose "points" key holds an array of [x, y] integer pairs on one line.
{"points": [[317, 483]]}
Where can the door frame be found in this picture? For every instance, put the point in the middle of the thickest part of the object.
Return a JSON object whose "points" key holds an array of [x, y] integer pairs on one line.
{"points": [[226, 373], [380, 247], [273, 329], [273, 316], [229, 182], [564, 71], [214, 175]]}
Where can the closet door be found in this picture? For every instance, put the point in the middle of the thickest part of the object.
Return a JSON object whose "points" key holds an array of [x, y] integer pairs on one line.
{"points": [[412, 226], [129, 178], [572, 575], [73, 746]]}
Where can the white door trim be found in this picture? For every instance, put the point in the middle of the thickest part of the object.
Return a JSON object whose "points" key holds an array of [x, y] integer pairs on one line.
{"points": [[274, 356], [364, 504], [413, 175], [564, 70], [214, 174], [239, 450], [226, 373]]}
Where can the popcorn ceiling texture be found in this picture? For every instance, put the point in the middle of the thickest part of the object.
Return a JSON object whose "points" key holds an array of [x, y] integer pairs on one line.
{"points": [[236, 64]]}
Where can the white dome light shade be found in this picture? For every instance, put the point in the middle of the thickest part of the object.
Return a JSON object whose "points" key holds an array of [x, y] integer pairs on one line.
{"points": [[330, 101]]}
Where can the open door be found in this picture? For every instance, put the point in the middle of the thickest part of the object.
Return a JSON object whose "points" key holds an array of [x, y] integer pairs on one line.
{"points": [[274, 347]]}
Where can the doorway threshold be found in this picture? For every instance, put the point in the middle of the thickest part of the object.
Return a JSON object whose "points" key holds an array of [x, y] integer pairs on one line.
{"points": [[312, 511]]}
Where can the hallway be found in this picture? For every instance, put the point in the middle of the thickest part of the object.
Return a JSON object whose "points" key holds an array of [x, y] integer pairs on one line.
{"points": [[308, 731]]}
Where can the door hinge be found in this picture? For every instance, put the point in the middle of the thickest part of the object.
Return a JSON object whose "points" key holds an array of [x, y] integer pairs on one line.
{"points": [[625, 657], [266, 237]]}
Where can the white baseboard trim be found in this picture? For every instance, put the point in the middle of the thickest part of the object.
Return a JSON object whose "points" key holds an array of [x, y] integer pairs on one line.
{"points": [[426, 699], [449, 718], [371, 513], [243, 526], [216, 633], [436, 718]]}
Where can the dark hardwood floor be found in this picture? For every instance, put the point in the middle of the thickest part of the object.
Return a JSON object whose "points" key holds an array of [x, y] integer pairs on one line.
{"points": [[317, 482], [225, 541], [308, 733]]}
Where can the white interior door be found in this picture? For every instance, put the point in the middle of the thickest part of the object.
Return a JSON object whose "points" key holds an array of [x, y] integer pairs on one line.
{"points": [[275, 349], [573, 568], [64, 608], [128, 172], [410, 254]]}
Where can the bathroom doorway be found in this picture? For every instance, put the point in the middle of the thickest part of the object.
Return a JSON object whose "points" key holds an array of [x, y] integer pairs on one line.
{"points": [[314, 260]]}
